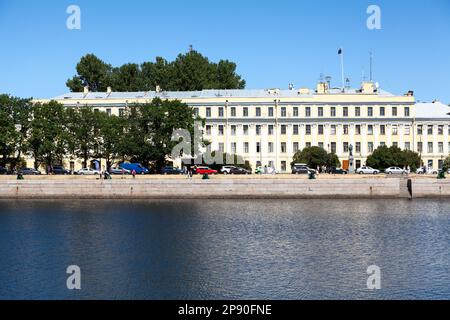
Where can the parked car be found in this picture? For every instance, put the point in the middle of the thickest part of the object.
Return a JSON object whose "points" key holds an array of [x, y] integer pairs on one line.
{"points": [[367, 170], [60, 170], [226, 169], [3, 170], [424, 170], [87, 172], [335, 170], [119, 171], [302, 169], [29, 172], [205, 170], [137, 167], [236, 170], [395, 170], [170, 170]]}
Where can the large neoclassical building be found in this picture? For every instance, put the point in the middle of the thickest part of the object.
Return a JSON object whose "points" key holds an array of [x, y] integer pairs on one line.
{"points": [[267, 127]]}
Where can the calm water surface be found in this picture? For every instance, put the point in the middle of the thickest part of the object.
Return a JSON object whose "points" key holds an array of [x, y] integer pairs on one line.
{"points": [[225, 249]]}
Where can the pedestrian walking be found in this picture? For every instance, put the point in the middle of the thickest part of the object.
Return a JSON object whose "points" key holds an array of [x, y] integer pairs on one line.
{"points": [[133, 173]]}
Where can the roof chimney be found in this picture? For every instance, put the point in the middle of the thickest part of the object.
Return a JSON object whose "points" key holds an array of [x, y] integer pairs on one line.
{"points": [[85, 91], [109, 90], [158, 89]]}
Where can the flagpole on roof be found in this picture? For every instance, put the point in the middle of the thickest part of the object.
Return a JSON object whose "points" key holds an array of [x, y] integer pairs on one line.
{"points": [[341, 53]]}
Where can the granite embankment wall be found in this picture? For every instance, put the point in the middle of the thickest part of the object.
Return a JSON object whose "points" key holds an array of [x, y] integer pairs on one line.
{"points": [[236, 188]]}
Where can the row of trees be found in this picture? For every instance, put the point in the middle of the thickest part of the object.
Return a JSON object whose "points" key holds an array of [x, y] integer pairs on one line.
{"points": [[51, 132], [382, 158], [190, 71]]}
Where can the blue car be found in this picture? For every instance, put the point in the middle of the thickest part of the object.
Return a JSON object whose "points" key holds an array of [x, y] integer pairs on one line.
{"points": [[139, 168]]}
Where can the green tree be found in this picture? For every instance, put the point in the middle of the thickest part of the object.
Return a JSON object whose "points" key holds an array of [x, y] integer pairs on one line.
{"points": [[49, 136], [333, 161], [384, 157], [312, 156], [127, 78], [159, 73], [226, 76], [113, 143], [15, 114], [83, 125], [446, 165], [150, 129], [91, 72]]}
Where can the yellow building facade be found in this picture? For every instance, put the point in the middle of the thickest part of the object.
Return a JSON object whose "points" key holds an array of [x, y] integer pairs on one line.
{"points": [[267, 127]]}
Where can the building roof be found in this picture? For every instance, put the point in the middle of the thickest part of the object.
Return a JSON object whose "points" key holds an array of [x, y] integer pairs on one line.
{"points": [[243, 93], [433, 110]]}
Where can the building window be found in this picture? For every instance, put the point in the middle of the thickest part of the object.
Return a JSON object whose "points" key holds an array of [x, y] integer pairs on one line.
{"points": [[258, 130], [320, 111], [233, 130], [308, 129], [258, 147], [406, 111], [370, 112], [333, 129], [441, 147], [345, 147], [321, 145], [245, 111], [270, 111], [270, 129], [370, 129], [345, 128], [407, 146], [394, 111], [420, 147], [295, 147], [283, 112], [233, 148], [295, 111], [258, 112], [320, 129], [108, 111], [122, 112], [221, 112], [96, 110], [394, 130], [308, 145], [430, 147], [419, 129], [221, 147], [208, 130], [358, 147], [233, 111], [308, 112], [245, 128], [333, 147], [395, 144], [407, 130], [357, 112], [246, 148], [270, 145], [283, 129], [283, 166], [283, 147], [382, 129], [333, 112], [295, 129], [345, 111], [208, 112], [221, 130], [370, 147], [382, 144], [358, 129], [382, 111], [430, 130], [440, 130]]}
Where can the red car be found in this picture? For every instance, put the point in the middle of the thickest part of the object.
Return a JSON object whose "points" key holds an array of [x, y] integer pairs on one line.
{"points": [[205, 170]]}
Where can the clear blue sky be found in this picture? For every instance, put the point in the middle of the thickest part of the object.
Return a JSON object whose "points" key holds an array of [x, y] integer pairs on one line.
{"points": [[273, 42]]}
